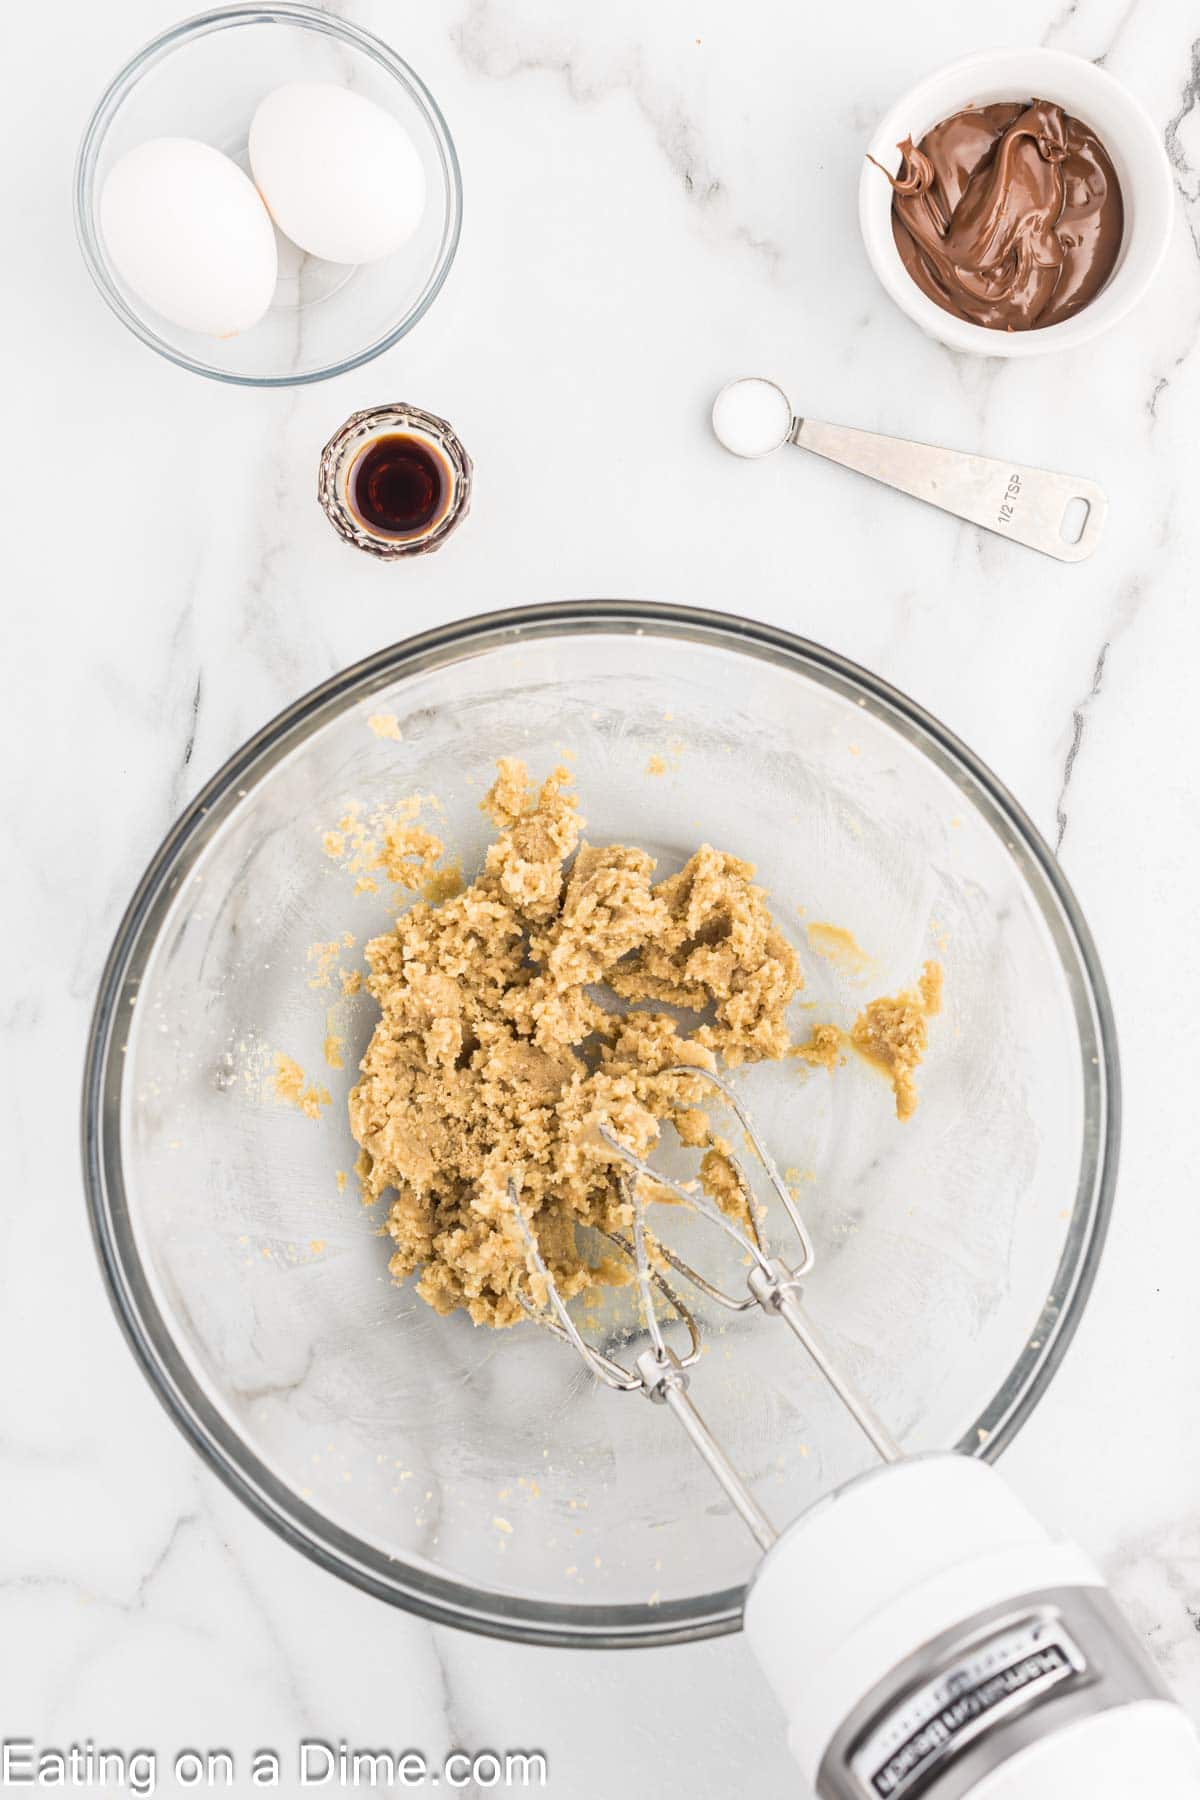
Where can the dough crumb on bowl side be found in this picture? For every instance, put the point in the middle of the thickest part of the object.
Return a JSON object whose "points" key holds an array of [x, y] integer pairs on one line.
{"points": [[893, 1033], [822, 1049], [292, 1087]]}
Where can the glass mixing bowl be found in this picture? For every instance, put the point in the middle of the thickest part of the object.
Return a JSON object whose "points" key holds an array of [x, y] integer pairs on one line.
{"points": [[480, 1477], [204, 78]]}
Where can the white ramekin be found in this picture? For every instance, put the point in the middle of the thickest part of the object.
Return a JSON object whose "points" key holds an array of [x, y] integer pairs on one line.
{"points": [[1090, 94]]}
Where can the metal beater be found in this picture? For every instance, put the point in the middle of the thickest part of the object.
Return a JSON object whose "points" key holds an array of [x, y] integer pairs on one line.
{"points": [[773, 1286], [925, 1636]]}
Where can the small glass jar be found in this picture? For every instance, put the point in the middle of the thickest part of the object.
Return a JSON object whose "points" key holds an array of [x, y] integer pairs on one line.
{"points": [[366, 498]]}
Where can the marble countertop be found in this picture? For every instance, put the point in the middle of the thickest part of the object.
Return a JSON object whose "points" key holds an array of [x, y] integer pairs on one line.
{"points": [[657, 198]]}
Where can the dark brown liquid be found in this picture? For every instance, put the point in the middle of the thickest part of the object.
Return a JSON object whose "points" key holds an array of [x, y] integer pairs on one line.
{"points": [[399, 486]]}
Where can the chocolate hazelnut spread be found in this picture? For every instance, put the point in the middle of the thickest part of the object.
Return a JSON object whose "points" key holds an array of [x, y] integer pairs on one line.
{"points": [[1009, 215]]}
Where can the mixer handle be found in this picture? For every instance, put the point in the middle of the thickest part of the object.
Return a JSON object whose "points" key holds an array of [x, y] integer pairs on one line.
{"points": [[926, 1636]]}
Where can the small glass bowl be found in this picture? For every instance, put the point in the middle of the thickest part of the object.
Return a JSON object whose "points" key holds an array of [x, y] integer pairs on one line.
{"points": [[201, 80], [347, 445]]}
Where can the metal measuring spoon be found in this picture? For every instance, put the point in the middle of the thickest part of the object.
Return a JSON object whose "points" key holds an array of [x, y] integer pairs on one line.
{"points": [[1036, 507]]}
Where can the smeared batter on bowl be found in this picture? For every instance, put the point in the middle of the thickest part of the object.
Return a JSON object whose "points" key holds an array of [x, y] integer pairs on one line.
{"points": [[893, 1033], [499, 1052]]}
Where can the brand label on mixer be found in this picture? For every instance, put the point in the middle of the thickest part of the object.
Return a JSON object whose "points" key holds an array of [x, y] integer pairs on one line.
{"points": [[988, 1683]]}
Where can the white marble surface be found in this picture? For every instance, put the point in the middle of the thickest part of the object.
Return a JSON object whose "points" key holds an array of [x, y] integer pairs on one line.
{"points": [[657, 198]]}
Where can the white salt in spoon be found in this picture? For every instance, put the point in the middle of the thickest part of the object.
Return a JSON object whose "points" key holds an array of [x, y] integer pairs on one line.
{"points": [[1061, 515]]}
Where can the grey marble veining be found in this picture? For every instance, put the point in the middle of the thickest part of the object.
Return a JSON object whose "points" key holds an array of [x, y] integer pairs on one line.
{"points": [[657, 198]]}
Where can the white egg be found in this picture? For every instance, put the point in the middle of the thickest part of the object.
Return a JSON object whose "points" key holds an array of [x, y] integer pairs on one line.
{"points": [[188, 231], [341, 176]]}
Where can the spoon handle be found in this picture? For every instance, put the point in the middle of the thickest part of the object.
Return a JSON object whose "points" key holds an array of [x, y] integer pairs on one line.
{"points": [[1030, 505]]}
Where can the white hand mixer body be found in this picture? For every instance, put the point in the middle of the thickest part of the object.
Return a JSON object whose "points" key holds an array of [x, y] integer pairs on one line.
{"points": [[925, 1636]]}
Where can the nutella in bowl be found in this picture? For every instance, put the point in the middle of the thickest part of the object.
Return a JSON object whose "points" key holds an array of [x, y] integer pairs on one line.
{"points": [[1009, 216], [1013, 226]]}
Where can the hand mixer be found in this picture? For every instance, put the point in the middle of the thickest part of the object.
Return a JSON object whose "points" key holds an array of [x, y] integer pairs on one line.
{"points": [[923, 1633]]}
